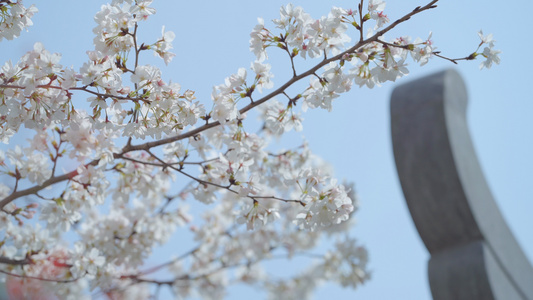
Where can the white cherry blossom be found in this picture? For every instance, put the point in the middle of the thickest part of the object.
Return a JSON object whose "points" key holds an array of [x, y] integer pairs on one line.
{"points": [[120, 160]]}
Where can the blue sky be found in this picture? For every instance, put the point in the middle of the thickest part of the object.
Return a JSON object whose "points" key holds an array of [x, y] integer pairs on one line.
{"points": [[212, 43]]}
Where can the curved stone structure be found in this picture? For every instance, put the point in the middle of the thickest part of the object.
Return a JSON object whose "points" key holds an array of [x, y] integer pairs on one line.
{"points": [[474, 255]]}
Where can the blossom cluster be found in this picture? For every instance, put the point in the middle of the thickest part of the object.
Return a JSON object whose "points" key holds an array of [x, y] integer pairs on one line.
{"points": [[14, 18], [490, 54], [100, 185]]}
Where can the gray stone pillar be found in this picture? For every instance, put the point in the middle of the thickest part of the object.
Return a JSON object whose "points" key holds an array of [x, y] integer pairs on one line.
{"points": [[474, 255]]}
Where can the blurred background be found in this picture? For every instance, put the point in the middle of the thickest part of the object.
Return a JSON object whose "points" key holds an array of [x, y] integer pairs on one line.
{"points": [[212, 43]]}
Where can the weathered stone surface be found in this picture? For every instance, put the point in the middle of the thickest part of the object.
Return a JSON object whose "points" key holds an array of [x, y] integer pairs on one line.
{"points": [[474, 255]]}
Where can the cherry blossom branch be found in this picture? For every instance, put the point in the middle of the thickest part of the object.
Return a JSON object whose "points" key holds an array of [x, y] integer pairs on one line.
{"points": [[84, 88], [453, 60], [51, 181], [190, 176], [168, 263], [293, 80], [55, 159], [228, 187], [408, 16], [148, 145], [35, 189], [39, 278], [14, 262], [278, 199], [104, 96], [361, 21], [137, 49], [168, 164], [436, 53], [222, 267], [291, 55]]}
